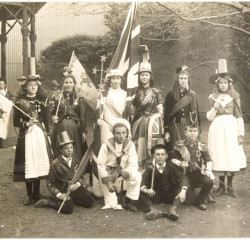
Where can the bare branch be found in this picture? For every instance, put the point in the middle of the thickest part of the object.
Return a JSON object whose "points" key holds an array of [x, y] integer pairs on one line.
{"points": [[204, 21]]}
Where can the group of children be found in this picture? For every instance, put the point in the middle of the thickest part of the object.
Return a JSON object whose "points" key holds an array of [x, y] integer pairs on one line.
{"points": [[172, 175]]}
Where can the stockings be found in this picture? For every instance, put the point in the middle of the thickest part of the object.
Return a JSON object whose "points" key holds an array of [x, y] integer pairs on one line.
{"points": [[229, 181], [33, 188]]}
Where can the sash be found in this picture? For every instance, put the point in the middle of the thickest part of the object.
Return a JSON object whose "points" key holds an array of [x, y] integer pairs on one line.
{"points": [[147, 98], [183, 102]]}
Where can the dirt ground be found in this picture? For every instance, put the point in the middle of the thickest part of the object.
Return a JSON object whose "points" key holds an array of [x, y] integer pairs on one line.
{"points": [[228, 217]]}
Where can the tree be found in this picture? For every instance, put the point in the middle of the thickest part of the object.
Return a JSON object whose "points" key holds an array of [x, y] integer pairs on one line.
{"points": [[88, 49]]}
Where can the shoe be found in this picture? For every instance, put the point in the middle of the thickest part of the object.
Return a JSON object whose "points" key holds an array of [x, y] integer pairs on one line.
{"points": [[231, 192], [42, 203], [128, 204], [202, 206], [37, 197], [153, 214], [172, 214], [220, 191], [28, 200]]}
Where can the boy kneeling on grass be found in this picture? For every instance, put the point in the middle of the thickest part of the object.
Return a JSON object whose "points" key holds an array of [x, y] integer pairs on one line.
{"points": [[61, 172], [195, 160]]}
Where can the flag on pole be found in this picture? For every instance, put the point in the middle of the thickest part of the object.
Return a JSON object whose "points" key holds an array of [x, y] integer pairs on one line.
{"points": [[126, 59], [5, 109], [84, 86]]}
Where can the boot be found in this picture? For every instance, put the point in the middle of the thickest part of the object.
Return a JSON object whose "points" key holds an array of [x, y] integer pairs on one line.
{"points": [[172, 211], [153, 214], [129, 205], [222, 187], [43, 203], [230, 189], [202, 206], [28, 200]]}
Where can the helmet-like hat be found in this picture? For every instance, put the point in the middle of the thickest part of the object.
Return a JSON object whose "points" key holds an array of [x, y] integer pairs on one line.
{"points": [[145, 67]]}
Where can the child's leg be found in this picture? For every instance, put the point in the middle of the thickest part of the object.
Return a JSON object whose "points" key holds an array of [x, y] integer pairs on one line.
{"points": [[36, 190], [28, 200], [82, 197], [230, 189]]}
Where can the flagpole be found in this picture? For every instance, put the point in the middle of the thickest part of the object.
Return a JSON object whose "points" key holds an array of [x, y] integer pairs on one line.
{"points": [[27, 115]]}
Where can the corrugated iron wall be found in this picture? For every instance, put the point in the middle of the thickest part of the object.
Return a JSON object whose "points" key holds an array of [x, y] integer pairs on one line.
{"points": [[53, 22], [199, 52]]}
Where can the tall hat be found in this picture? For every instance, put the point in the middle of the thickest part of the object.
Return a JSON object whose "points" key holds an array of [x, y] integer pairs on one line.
{"points": [[181, 69], [63, 138], [145, 67], [32, 76], [114, 72], [222, 72]]}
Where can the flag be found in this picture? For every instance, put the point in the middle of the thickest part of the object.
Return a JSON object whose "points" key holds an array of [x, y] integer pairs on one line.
{"points": [[5, 109], [84, 86], [126, 57]]}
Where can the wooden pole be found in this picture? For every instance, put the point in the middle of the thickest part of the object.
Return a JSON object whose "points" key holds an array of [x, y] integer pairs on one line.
{"points": [[25, 34], [33, 35], [3, 47]]}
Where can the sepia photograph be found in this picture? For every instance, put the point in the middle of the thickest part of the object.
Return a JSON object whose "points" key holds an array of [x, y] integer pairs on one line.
{"points": [[124, 119]]}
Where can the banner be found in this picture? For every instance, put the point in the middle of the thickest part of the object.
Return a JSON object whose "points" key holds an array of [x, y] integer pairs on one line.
{"points": [[5, 109], [84, 86]]}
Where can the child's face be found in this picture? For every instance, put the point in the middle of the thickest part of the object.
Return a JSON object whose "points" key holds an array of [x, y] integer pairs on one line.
{"points": [[160, 156], [67, 150], [120, 134], [191, 133], [223, 84], [32, 87]]}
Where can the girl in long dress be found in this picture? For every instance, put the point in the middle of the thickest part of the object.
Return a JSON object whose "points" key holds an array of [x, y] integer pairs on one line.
{"points": [[71, 117], [33, 155], [147, 102], [181, 108], [226, 132], [113, 102]]}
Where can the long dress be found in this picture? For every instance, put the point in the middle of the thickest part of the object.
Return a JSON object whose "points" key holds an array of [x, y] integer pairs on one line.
{"points": [[114, 104], [145, 102], [33, 153], [71, 118], [180, 113], [227, 124]]}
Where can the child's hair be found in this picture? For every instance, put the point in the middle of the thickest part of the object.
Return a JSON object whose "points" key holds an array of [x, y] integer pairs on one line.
{"points": [[158, 146], [151, 80], [176, 85], [231, 91], [60, 148], [190, 126], [120, 125], [23, 91]]}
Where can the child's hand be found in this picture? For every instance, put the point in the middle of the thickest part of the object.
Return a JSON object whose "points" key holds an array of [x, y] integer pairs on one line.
{"points": [[182, 195], [125, 174], [32, 122], [55, 119], [73, 187], [64, 196], [167, 137], [150, 192]]}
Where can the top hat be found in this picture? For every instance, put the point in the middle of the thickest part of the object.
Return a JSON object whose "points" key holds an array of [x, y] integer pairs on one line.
{"points": [[54, 83], [181, 69], [222, 72], [145, 67], [63, 138], [114, 72]]}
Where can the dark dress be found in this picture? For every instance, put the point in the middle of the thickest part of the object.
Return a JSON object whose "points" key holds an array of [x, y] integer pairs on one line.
{"points": [[145, 103], [72, 118], [182, 112], [35, 108]]}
